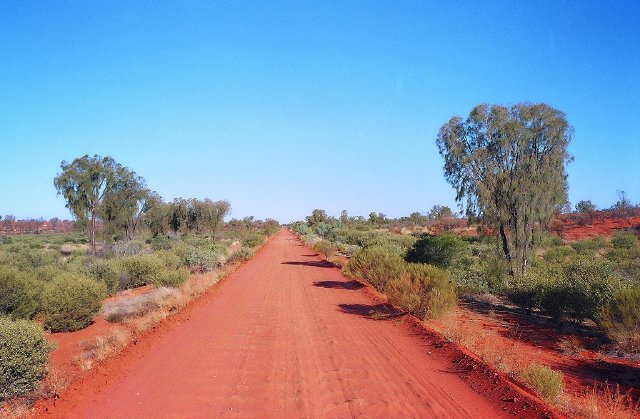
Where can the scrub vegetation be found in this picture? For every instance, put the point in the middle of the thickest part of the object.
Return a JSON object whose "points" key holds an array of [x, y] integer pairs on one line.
{"points": [[125, 237]]}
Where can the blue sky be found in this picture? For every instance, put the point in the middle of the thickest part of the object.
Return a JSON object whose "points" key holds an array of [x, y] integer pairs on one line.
{"points": [[282, 107]]}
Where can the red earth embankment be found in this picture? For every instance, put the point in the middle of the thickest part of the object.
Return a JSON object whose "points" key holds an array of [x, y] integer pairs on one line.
{"points": [[287, 335]]}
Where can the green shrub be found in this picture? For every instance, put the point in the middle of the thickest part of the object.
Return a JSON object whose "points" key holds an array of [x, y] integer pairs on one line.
{"points": [[169, 259], [242, 254], [618, 255], [139, 270], [558, 254], [378, 265], [526, 293], [470, 281], [310, 239], [624, 240], [128, 248], [439, 251], [27, 259], [347, 249], [253, 239], [324, 247], [401, 243], [621, 319], [171, 278], [301, 228], [70, 302], [423, 290], [15, 299], [589, 246], [105, 271], [545, 381], [584, 287], [547, 239], [24, 351], [202, 260], [161, 242]]}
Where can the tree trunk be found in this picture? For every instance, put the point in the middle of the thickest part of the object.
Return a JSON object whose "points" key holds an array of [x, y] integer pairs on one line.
{"points": [[505, 248], [92, 231]]}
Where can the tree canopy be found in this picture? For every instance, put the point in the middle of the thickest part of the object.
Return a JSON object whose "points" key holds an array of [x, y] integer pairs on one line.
{"points": [[507, 165], [99, 188]]}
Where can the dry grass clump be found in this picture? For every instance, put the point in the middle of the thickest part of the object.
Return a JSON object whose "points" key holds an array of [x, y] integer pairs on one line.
{"points": [[546, 382], [478, 341], [53, 383], [570, 345], [608, 403], [136, 305], [103, 347], [16, 408]]}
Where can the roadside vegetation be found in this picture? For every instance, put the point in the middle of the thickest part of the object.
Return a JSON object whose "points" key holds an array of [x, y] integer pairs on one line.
{"points": [[507, 165], [126, 237]]}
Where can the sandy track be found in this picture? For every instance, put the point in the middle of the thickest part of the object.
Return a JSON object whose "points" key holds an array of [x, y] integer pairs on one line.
{"points": [[283, 336]]}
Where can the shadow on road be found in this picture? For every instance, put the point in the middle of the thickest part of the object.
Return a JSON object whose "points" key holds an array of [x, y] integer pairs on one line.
{"points": [[344, 285], [317, 264], [372, 311]]}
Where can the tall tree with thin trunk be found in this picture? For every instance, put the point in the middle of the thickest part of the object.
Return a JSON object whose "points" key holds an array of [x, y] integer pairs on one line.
{"points": [[507, 165], [83, 183], [98, 188]]}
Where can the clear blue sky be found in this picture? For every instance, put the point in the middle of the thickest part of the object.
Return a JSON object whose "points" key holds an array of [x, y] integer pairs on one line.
{"points": [[282, 107]]}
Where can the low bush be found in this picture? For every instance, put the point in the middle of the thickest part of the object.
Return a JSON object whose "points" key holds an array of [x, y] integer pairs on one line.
{"points": [[128, 248], [624, 240], [545, 381], [422, 290], [161, 242], [324, 247], [527, 294], [15, 298], [24, 351], [378, 265], [171, 278], [301, 228], [169, 259], [347, 249], [242, 254], [106, 272], [439, 251], [310, 239], [584, 287], [589, 246], [621, 319], [558, 254], [253, 239], [202, 260], [70, 302], [139, 270], [400, 243]]}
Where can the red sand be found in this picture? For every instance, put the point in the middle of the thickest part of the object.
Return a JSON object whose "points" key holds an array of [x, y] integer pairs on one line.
{"points": [[288, 335], [577, 227]]}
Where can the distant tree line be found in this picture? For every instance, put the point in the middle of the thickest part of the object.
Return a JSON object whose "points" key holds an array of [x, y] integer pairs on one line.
{"points": [[101, 192]]}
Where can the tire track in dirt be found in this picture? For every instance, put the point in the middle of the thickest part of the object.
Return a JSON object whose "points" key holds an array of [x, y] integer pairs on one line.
{"points": [[283, 336]]}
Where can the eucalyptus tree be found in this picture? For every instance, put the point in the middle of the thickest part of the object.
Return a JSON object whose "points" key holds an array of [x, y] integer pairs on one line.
{"points": [[124, 203], [507, 165], [157, 214], [178, 215], [100, 189], [211, 215]]}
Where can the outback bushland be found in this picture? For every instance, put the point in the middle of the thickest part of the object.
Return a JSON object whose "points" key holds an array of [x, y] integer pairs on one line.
{"points": [[126, 236], [507, 165]]}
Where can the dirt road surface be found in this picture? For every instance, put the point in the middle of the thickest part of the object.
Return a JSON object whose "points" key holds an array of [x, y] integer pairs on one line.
{"points": [[286, 335]]}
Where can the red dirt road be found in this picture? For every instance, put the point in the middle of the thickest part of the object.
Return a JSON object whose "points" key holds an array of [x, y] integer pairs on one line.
{"points": [[283, 336]]}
